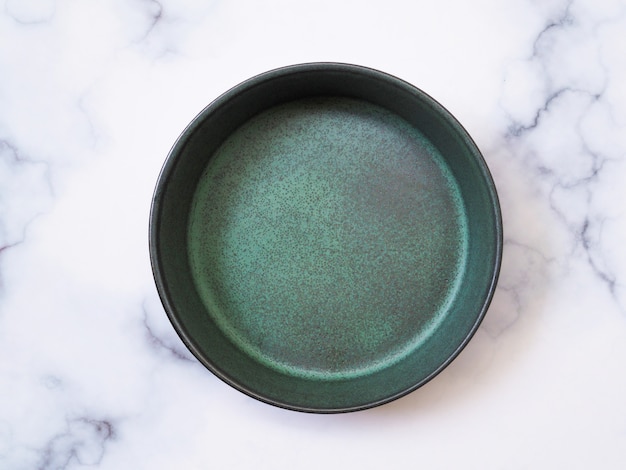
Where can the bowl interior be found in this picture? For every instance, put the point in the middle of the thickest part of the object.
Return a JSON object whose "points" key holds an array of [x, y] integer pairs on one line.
{"points": [[325, 237]]}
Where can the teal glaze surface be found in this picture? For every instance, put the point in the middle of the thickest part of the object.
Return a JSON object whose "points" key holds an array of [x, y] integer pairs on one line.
{"points": [[327, 237]]}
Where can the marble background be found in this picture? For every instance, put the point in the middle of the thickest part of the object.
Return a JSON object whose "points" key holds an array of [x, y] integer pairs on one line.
{"points": [[94, 93]]}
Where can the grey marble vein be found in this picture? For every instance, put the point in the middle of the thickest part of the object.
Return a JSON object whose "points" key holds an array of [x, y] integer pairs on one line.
{"points": [[83, 442], [30, 13], [159, 343], [564, 107]]}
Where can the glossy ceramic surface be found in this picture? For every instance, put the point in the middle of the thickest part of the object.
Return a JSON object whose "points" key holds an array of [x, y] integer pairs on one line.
{"points": [[325, 237]]}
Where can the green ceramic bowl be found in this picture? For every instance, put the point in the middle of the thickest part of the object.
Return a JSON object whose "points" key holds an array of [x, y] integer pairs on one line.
{"points": [[325, 237]]}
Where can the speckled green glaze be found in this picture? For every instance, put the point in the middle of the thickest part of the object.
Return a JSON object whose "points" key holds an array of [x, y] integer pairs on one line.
{"points": [[325, 237]]}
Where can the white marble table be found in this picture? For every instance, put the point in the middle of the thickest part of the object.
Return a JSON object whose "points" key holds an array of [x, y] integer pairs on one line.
{"points": [[92, 96]]}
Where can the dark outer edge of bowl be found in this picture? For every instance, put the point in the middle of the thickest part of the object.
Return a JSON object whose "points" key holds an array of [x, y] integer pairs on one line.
{"points": [[257, 80]]}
